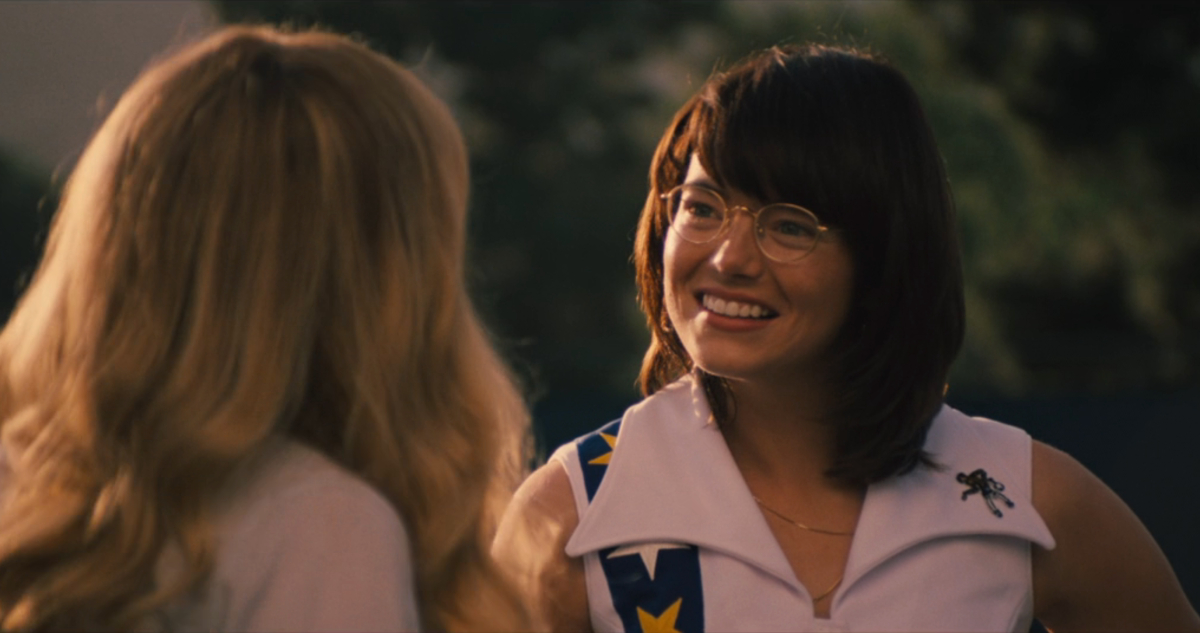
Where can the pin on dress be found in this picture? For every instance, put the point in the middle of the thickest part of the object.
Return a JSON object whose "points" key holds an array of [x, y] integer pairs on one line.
{"points": [[990, 489]]}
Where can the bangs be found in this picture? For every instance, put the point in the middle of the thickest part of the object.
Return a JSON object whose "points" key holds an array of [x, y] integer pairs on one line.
{"points": [[769, 135], [842, 133]]}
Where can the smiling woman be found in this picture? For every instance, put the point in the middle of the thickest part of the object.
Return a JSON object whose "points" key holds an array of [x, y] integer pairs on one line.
{"points": [[793, 465], [743, 314]]}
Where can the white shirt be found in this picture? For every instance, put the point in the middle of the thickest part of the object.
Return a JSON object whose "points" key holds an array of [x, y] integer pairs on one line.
{"points": [[304, 545], [923, 558]]}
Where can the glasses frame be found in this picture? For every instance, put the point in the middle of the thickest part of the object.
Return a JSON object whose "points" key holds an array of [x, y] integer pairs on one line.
{"points": [[733, 211]]}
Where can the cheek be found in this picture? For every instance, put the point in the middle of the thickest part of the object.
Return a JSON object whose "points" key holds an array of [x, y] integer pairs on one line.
{"points": [[674, 275]]}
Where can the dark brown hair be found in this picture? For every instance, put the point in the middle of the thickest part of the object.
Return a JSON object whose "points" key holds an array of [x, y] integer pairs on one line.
{"points": [[841, 132]]}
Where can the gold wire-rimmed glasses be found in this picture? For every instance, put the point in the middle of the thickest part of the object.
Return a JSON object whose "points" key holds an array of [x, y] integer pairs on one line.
{"points": [[784, 232]]}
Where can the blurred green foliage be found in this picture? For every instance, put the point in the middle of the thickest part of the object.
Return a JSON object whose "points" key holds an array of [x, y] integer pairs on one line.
{"points": [[1101, 103], [26, 199], [1069, 132]]}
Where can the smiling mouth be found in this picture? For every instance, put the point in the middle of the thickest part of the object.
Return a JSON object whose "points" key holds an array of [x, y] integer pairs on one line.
{"points": [[736, 309]]}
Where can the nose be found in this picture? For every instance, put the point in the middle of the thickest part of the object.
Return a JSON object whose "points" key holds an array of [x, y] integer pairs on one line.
{"points": [[737, 253]]}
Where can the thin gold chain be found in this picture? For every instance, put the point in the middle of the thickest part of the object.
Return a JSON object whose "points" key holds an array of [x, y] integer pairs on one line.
{"points": [[801, 525], [828, 591]]}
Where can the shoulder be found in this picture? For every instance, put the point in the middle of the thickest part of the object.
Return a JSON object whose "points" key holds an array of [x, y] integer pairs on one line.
{"points": [[305, 491], [1074, 502], [953, 429], [530, 546], [958, 440], [532, 538], [1106, 572], [307, 545], [546, 496], [1063, 486], [551, 499]]}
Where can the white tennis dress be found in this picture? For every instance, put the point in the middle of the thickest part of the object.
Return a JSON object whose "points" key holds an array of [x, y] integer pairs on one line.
{"points": [[672, 539]]}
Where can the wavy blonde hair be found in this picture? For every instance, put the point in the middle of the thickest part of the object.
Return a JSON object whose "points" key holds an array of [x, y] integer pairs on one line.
{"points": [[264, 238]]}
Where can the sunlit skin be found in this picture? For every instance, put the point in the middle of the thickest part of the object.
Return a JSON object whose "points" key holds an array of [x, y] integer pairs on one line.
{"points": [[807, 299], [1106, 574], [776, 367]]}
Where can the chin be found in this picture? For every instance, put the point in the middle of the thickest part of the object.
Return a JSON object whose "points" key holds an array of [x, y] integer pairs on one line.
{"points": [[729, 369], [740, 368]]}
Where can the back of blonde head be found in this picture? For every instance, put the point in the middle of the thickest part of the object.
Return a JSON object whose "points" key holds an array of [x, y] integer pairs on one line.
{"points": [[264, 238]]}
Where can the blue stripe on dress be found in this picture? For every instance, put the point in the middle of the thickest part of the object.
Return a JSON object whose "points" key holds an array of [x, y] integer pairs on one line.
{"points": [[655, 587]]}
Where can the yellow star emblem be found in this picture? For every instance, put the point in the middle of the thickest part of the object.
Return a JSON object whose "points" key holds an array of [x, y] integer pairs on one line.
{"points": [[607, 457], [662, 623]]}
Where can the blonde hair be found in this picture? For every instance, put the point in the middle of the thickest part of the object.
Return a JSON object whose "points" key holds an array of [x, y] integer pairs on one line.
{"points": [[264, 238]]}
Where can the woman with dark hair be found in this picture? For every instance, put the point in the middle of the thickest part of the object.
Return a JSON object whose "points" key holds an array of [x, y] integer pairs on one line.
{"points": [[794, 465]]}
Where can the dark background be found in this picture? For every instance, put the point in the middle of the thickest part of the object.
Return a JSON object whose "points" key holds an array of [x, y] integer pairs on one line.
{"points": [[1070, 131]]}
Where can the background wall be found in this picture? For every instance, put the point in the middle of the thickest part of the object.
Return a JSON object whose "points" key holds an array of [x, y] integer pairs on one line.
{"points": [[63, 64], [1069, 131]]}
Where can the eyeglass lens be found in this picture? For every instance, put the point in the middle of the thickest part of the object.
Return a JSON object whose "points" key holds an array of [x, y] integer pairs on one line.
{"points": [[784, 231]]}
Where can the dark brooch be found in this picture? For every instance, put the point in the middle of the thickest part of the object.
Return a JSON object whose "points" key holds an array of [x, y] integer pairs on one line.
{"points": [[990, 489]]}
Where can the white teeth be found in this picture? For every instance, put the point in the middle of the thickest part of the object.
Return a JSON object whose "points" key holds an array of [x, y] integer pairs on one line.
{"points": [[735, 309]]}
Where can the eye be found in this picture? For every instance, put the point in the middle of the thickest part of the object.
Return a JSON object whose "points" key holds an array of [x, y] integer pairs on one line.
{"points": [[697, 214], [793, 229], [699, 204], [790, 226], [700, 209]]}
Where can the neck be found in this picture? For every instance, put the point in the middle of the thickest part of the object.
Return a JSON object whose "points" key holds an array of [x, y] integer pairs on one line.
{"points": [[780, 432]]}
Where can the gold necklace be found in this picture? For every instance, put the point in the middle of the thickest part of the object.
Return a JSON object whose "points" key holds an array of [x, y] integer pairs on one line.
{"points": [[828, 591], [801, 525]]}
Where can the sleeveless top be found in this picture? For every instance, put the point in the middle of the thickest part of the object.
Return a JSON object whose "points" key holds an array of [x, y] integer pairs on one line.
{"points": [[672, 539]]}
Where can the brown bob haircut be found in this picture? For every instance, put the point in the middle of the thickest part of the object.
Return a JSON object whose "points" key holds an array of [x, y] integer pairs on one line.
{"points": [[840, 132]]}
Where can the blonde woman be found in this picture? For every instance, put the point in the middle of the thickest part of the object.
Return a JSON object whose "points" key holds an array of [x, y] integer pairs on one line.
{"points": [[246, 389]]}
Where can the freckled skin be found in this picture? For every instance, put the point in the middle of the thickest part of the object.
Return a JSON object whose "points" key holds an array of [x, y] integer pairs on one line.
{"points": [[1113, 579], [811, 297]]}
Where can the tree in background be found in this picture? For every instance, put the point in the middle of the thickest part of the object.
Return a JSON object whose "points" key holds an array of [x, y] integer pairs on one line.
{"points": [[1104, 296], [1068, 130], [25, 204], [561, 116]]}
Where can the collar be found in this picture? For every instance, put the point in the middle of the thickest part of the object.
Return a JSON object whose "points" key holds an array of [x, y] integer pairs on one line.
{"points": [[671, 478]]}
